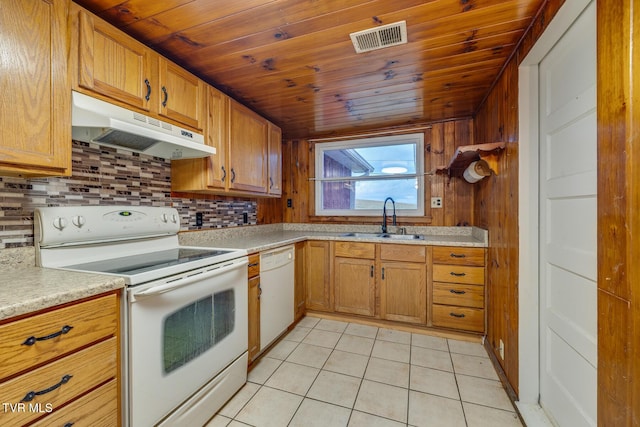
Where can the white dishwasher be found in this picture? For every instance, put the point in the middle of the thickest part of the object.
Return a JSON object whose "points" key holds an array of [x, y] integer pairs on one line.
{"points": [[276, 299]]}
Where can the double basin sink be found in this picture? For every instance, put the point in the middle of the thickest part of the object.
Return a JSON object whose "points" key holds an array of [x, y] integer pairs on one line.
{"points": [[385, 236]]}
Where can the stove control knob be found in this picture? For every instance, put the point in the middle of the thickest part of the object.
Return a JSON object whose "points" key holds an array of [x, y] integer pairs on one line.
{"points": [[174, 218], [164, 217], [78, 221], [59, 223]]}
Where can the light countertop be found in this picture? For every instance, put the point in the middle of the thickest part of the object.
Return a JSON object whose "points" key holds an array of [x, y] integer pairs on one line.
{"points": [[265, 237], [29, 289], [25, 288]]}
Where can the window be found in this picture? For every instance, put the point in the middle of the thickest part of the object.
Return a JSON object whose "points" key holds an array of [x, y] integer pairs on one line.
{"points": [[355, 177], [196, 327]]}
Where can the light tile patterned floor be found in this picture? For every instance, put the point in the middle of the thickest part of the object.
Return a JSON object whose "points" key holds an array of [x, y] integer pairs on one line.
{"points": [[329, 373]]}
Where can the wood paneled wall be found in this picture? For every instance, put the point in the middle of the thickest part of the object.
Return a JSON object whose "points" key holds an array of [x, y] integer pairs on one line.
{"points": [[496, 200], [618, 114], [441, 140]]}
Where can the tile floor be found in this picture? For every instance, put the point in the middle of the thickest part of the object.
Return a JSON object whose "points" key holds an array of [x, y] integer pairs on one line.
{"points": [[329, 373]]}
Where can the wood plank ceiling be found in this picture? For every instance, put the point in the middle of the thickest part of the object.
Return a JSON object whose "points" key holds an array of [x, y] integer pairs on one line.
{"points": [[293, 61]]}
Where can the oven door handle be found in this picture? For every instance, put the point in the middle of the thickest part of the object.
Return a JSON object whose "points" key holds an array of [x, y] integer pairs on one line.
{"points": [[167, 287]]}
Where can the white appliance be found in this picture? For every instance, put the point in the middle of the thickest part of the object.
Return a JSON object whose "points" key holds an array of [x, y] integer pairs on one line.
{"points": [[185, 311], [94, 120], [277, 298]]}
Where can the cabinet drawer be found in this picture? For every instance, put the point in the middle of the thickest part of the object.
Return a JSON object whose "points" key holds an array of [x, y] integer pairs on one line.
{"points": [[458, 294], [409, 253], [458, 274], [458, 255], [84, 370], [464, 318], [89, 322], [254, 265], [98, 408], [355, 250]]}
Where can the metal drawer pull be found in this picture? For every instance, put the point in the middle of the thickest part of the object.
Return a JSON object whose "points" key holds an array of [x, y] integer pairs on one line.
{"points": [[224, 174], [32, 340], [254, 264], [32, 394], [233, 176], [383, 273], [458, 255], [458, 274], [166, 96], [459, 316], [454, 291], [68, 425], [372, 271], [148, 95], [259, 290]]}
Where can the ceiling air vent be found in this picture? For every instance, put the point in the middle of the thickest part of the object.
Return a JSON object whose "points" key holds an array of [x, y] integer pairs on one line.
{"points": [[379, 37]]}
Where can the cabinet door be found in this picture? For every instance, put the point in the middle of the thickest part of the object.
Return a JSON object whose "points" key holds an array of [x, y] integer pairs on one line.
{"points": [[275, 160], [35, 130], [254, 317], [216, 136], [181, 96], [403, 292], [354, 286], [299, 284], [113, 64], [247, 150], [318, 275]]}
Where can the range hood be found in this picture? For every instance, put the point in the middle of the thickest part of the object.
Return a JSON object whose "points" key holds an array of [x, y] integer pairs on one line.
{"points": [[94, 120]]}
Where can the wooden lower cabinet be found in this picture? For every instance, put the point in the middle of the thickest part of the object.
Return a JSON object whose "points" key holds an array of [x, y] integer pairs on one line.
{"points": [[403, 292], [354, 286], [299, 297], [403, 283], [98, 408], [318, 276], [254, 306], [458, 288], [54, 359]]}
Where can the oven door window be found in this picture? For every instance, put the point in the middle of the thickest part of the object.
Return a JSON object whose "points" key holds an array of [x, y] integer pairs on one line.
{"points": [[197, 327]]}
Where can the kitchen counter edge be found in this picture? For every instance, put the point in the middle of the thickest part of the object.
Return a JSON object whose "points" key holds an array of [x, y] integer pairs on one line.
{"points": [[30, 289]]}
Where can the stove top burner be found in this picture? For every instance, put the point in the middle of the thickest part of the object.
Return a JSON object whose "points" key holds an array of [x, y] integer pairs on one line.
{"points": [[142, 263]]}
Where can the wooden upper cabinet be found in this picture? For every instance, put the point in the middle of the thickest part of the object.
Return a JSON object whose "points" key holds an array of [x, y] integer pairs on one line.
{"points": [[113, 64], [248, 134], [275, 160], [216, 136], [35, 123], [181, 96], [116, 66]]}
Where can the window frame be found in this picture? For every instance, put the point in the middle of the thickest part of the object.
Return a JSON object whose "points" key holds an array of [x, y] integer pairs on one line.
{"points": [[416, 138]]}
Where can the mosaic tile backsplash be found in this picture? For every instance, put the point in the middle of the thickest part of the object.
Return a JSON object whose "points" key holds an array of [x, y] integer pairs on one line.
{"points": [[107, 176]]}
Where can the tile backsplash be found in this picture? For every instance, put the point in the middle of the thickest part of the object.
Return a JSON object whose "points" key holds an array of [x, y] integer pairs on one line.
{"points": [[108, 176]]}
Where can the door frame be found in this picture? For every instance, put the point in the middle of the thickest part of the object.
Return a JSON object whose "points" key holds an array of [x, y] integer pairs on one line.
{"points": [[528, 208]]}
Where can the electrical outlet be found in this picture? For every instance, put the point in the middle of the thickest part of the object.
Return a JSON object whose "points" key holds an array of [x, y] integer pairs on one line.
{"points": [[436, 202], [198, 219], [501, 349], [245, 217], [289, 203]]}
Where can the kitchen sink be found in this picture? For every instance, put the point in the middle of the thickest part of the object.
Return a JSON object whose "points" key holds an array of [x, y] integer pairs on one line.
{"points": [[385, 236], [402, 236]]}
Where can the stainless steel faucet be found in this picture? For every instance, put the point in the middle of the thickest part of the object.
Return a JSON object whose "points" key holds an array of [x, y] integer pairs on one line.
{"points": [[384, 214]]}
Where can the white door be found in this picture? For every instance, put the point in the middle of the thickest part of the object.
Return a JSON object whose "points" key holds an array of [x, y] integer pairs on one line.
{"points": [[568, 218]]}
